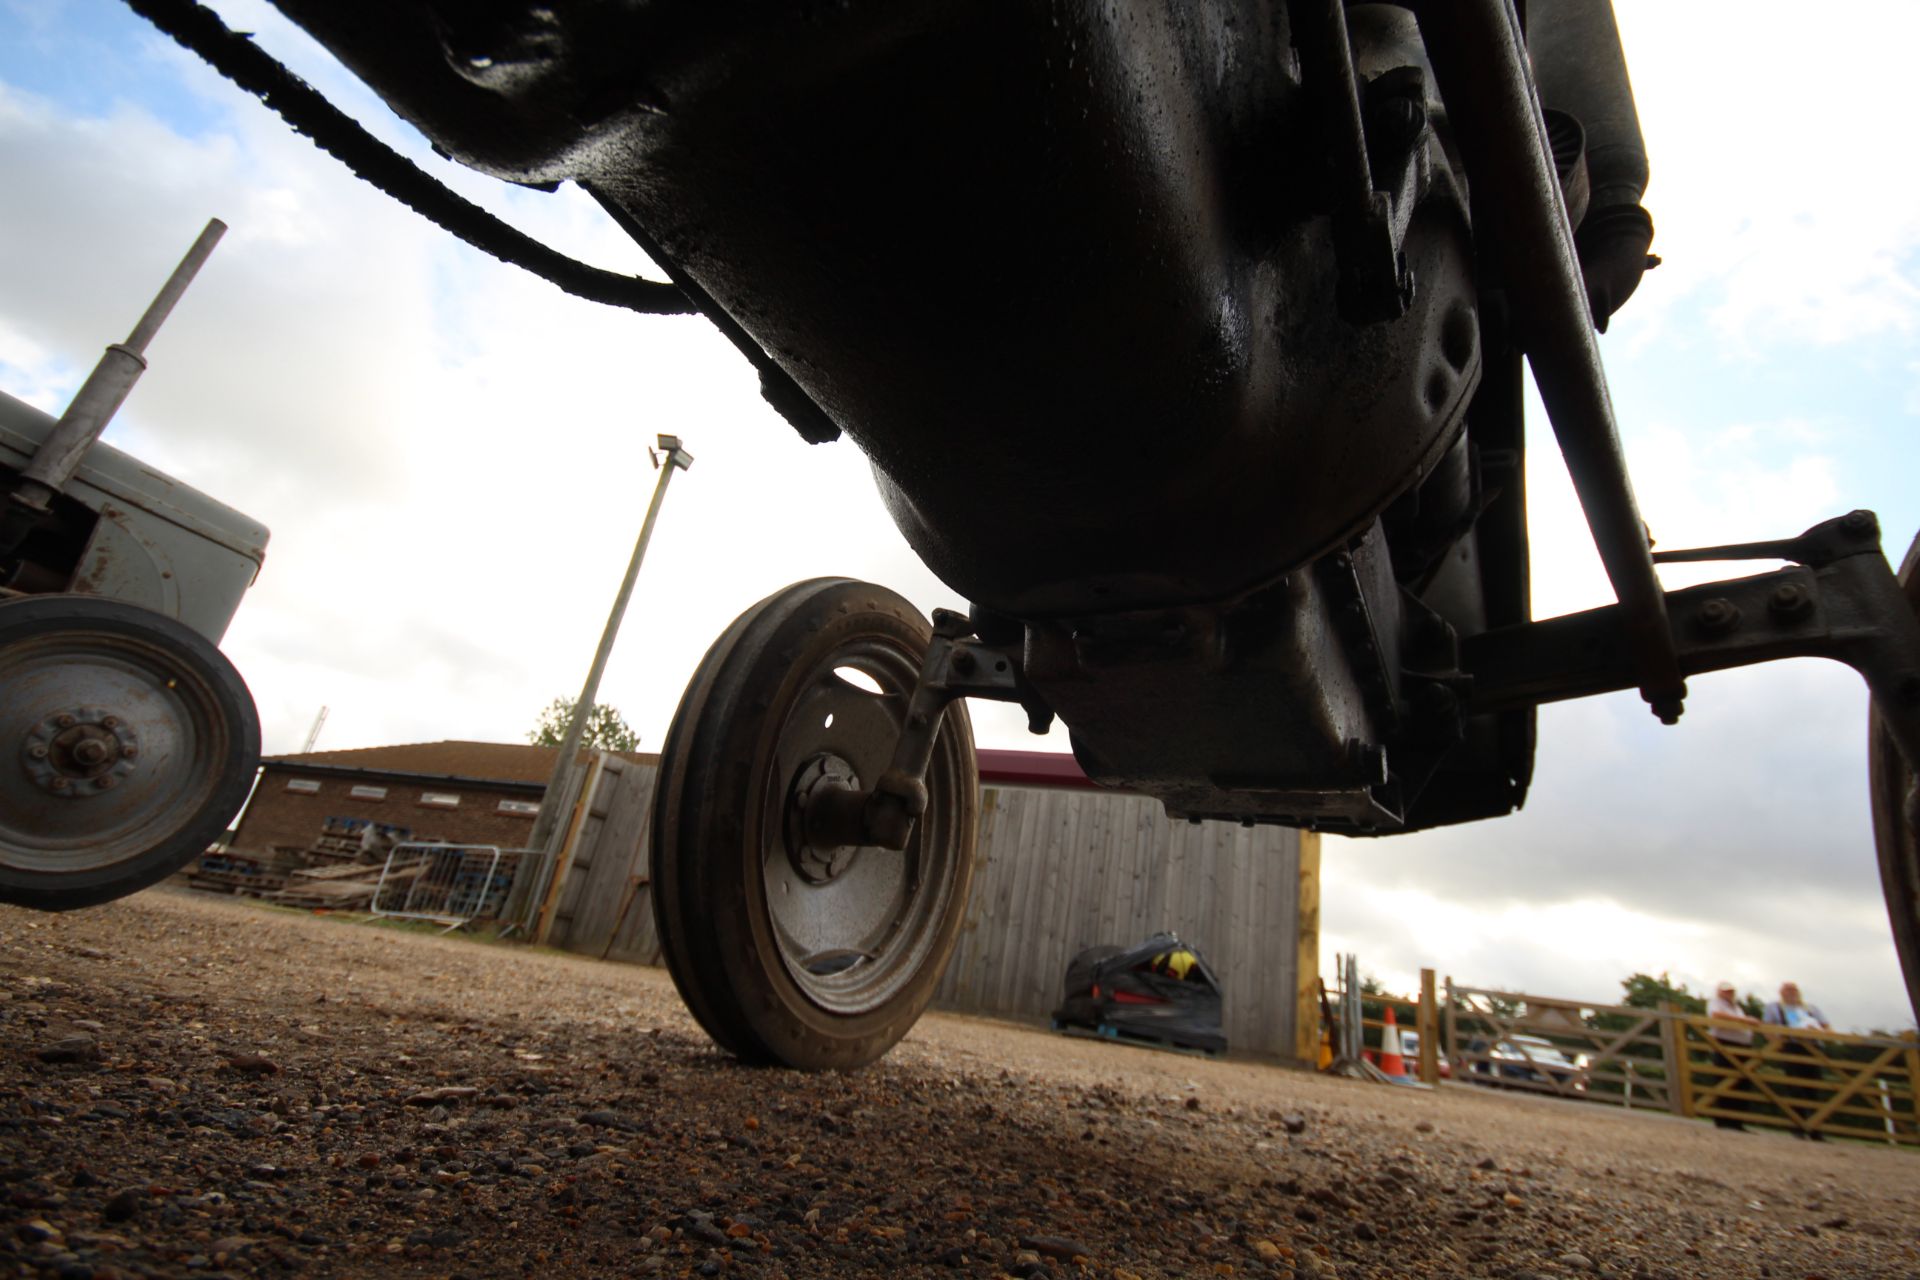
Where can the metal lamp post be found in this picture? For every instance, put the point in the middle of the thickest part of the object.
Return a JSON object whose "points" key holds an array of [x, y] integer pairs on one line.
{"points": [[671, 457]]}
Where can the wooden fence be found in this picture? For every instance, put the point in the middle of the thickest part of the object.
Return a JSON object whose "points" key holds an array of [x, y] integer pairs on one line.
{"points": [[1568, 1048], [1818, 1082], [1815, 1082], [1057, 871]]}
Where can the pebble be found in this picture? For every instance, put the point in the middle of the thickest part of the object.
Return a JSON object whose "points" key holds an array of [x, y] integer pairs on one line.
{"points": [[253, 1064], [1056, 1247], [123, 1205], [75, 1048], [446, 1093], [983, 1176]]}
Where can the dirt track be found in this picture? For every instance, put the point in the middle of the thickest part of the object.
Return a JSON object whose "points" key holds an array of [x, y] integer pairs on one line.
{"points": [[196, 1087]]}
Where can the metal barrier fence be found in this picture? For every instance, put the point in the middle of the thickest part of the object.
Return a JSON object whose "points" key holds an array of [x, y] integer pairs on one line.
{"points": [[450, 884]]}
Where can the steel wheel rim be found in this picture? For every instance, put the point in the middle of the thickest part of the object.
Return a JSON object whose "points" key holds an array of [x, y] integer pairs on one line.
{"points": [[173, 714], [851, 942]]}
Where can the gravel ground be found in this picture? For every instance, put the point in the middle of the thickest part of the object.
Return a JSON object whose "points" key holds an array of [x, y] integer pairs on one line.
{"points": [[197, 1087]]}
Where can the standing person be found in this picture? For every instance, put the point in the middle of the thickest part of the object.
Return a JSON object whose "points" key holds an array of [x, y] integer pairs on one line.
{"points": [[1725, 1009], [1795, 1014]]}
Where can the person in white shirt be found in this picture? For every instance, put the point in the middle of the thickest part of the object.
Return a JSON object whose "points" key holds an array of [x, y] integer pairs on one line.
{"points": [[1725, 1009]]}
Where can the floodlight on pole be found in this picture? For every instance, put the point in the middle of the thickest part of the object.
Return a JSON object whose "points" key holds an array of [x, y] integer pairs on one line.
{"points": [[670, 458]]}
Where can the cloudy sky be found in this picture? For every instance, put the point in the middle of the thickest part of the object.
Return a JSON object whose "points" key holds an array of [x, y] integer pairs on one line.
{"points": [[451, 455]]}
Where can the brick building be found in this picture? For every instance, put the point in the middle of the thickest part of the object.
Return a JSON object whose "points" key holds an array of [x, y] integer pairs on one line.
{"points": [[460, 792]]}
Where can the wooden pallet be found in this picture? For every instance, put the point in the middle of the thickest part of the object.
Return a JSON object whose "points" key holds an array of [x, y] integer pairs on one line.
{"points": [[240, 882]]}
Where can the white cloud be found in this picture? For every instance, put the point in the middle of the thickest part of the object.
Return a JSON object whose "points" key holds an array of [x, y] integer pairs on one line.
{"points": [[1777, 195]]}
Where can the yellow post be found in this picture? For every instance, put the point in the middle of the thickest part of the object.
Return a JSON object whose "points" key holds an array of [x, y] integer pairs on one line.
{"points": [[563, 856], [1429, 1031], [1913, 1080], [1673, 1046], [1306, 964]]}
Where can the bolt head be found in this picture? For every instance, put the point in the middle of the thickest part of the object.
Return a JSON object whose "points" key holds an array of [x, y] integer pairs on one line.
{"points": [[64, 720], [1789, 599], [104, 782], [62, 784], [37, 751], [129, 751], [110, 722], [1718, 614], [1859, 522]]}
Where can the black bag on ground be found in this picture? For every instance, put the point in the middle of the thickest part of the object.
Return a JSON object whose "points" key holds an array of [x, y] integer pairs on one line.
{"points": [[1160, 991]]}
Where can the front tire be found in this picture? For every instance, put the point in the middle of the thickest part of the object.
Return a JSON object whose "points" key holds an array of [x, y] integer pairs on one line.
{"points": [[786, 953], [127, 742]]}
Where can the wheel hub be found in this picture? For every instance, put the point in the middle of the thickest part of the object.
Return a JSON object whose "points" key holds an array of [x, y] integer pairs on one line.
{"points": [[813, 861], [81, 752]]}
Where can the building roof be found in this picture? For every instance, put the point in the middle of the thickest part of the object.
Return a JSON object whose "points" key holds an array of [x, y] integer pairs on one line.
{"points": [[488, 761]]}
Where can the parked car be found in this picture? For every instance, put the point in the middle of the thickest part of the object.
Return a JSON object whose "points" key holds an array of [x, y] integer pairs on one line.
{"points": [[1534, 1058], [1410, 1049]]}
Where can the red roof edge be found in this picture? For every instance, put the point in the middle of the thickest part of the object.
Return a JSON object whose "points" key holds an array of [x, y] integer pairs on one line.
{"points": [[1032, 769]]}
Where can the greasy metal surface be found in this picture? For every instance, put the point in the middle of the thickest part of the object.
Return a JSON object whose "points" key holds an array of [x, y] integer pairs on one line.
{"points": [[1896, 817], [1583, 71], [1246, 711], [1118, 253], [1847, 607], [157, 542], [1080, 284], [1481, 64]]}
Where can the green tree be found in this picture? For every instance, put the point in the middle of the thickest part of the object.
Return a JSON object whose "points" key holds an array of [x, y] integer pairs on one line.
{"points": [[1644, 991], [605, 729]]}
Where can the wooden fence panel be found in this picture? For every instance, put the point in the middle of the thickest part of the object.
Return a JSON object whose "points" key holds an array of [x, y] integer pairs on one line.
{"points": [[604, 885], [1059, 871]]}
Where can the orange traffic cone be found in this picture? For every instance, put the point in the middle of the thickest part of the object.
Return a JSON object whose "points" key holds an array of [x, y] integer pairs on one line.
{"points": [[1391, 1061]]}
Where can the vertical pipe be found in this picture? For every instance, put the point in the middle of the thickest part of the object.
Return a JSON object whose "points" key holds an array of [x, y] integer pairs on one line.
{"points": [[107, 387], [1482, 70]]}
